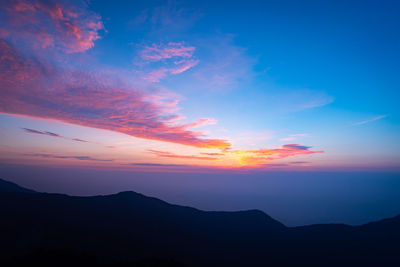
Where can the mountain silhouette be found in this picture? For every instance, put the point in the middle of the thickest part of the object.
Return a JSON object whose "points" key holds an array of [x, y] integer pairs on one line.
{"points": [[130, 229], [6, 186]]}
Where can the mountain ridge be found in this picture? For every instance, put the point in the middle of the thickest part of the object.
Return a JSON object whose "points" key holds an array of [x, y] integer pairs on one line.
{"points": [[7, 186], [132, 226]]}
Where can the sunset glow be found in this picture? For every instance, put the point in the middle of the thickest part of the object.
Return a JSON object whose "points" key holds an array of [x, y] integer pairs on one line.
{"points": [[159, 88]]}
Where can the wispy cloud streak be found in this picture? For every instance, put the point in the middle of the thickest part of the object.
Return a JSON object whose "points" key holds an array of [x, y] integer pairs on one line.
{"points": [[33, 131], [175, 58], [55, 156], [146, 164], [166, 154], [201, 122], [370, 120], [293, 137], [171, 50]]}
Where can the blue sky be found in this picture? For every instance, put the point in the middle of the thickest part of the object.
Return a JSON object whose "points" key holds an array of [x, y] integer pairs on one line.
{"points": [[312, 81]]}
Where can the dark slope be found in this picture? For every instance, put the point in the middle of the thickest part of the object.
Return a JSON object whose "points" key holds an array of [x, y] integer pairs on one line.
{"points": [[6, 186], [129, 225], [132, 227]]}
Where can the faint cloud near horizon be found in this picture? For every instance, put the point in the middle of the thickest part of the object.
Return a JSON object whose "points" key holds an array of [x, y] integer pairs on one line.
{"points": [[371, 119], [147, 164], [292, 137], [33, 131], [56, 156]]}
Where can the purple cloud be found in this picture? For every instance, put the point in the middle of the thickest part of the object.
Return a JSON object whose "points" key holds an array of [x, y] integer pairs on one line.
{"points": [[54, 156], [52, 134]]}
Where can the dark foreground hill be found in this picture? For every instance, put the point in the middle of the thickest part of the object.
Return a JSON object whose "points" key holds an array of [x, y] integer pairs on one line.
{"points": [[130, 229]]}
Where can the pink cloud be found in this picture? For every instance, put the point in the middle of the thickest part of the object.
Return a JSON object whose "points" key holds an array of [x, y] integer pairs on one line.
{"points": [[175, 58], [156, 75], [159, 74], [290, 138], [201, 122], [34, 88], [167, 101], [56, 24], [171, 50], [184, 66]]}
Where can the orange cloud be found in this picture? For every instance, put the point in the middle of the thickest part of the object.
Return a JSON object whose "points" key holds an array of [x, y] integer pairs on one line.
{"points": [[265, 155], [246, 158], [260, 157], [166, 154]]}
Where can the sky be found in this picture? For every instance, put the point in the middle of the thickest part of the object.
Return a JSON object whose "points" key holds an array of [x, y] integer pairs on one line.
{"points": [[194, 86]]}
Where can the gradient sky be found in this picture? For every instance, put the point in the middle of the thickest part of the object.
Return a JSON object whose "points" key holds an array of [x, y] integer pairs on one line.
{"points": [[201, 86]]}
